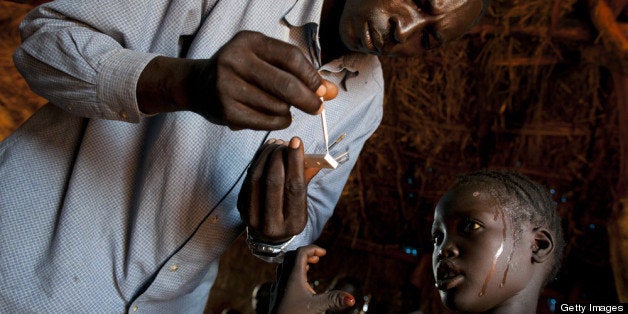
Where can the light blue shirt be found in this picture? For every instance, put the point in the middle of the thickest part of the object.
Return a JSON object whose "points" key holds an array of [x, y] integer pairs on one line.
{"points": [[106, 210]]}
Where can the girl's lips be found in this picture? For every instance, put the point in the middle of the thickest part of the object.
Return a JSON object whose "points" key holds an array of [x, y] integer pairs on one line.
{"points": [[449, 282], [448, 276]]}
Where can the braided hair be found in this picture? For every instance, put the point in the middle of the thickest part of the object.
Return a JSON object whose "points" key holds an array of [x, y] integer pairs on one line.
{"points": [[523, 200]]}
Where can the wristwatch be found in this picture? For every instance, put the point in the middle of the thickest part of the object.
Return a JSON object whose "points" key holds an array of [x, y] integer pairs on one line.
{"points": [[272, 253]]}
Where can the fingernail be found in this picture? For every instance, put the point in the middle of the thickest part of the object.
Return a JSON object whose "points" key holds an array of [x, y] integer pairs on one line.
{"points": [[348, 300], [321, 91], [270, 141], [295, 142]]}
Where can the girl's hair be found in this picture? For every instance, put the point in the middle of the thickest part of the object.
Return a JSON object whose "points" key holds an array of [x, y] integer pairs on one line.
{"points": [[525, 200]]}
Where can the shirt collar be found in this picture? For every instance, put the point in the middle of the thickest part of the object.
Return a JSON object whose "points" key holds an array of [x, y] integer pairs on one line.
{"points": [[351, 62], [304, 12]]}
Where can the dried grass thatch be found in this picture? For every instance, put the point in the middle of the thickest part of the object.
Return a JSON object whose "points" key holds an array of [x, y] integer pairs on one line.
{"points": [[525, 90], [17, 103]]}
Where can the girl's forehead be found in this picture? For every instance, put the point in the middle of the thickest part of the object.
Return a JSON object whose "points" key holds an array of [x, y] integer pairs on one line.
{"points": [[469, 197], [468, 201]]}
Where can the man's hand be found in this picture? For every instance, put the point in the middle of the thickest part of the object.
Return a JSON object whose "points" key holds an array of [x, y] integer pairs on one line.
{"points": [[295, 294], [257, 79], [251, 82], [273, 198]]}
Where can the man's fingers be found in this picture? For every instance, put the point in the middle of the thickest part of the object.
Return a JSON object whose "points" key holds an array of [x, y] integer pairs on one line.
{"points": [[273, 191], [294, 79], [257, 79], [243, 116], [250, 199], [251, 95], [286, 87], [295, 197], [273, 198], [291, 59]]}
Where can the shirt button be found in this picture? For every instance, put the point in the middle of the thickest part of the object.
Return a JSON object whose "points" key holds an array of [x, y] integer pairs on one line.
{"points": [[135, 308], [214, 219], [123, 115], [173, 267]]}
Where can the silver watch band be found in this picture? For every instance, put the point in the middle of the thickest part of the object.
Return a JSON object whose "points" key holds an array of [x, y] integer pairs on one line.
{"points": [[265, 251]]}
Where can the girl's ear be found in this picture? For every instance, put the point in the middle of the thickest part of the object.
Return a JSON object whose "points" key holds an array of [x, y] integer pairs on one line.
{"points": [[543, 245]]}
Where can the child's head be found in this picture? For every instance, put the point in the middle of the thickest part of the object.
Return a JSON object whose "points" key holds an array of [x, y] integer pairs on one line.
{"points": [[497, 242]]}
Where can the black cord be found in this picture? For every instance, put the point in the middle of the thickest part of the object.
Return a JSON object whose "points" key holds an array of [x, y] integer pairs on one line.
{"points": [[150, 280]]}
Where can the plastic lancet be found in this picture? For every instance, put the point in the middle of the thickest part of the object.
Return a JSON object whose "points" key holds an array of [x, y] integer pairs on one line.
{"points": [[325, 134], [326, 160]]}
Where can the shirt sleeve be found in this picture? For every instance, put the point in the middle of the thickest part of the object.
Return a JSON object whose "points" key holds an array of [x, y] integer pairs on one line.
{"points": [[86, 57]]}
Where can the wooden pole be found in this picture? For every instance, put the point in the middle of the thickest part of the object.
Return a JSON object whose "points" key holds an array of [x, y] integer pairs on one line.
{"points": [[604, 16]]}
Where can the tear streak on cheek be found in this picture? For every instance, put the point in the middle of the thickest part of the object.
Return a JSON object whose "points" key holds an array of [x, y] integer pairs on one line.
{"points": [[497, 254]]}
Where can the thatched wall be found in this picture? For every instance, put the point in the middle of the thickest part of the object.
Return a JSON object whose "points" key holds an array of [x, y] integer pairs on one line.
{"points": [[526, 90], [17, 103]]}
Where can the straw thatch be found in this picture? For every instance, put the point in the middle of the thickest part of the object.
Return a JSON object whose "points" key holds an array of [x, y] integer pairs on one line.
{"points": [[17, 103], [529, 89]]}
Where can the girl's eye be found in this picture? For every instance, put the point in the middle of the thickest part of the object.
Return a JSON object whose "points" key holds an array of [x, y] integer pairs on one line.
{"points": [[471, 226], [437, 238]]}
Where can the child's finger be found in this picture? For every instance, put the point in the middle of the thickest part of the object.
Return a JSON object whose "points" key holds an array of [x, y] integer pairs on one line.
{"points": [[331, 90], [335, 300], [310, 173]]}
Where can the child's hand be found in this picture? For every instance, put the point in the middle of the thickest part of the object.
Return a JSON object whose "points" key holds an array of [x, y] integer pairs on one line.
{"points": [[298, 296]]}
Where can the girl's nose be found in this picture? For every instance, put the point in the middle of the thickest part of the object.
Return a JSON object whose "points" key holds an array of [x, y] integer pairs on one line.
{"points": [[447, 250]]}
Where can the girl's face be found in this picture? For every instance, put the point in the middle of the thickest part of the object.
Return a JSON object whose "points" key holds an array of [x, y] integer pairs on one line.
{"points": [[476, 262]]}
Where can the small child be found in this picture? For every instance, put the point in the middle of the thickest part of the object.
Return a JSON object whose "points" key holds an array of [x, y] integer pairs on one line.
{"points": [[497, 242]]}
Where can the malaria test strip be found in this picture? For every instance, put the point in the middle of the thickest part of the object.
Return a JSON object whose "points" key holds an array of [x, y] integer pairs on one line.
{"points": [[322, 160]]}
